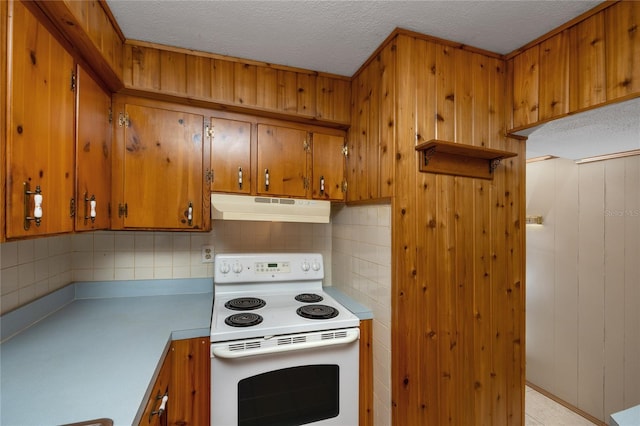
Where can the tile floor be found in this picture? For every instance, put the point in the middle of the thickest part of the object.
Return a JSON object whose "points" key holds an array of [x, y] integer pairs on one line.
{"points": [[542, 411]]}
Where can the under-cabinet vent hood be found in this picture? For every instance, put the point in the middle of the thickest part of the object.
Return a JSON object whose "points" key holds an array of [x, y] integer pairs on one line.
{"points": [[245, 207]]}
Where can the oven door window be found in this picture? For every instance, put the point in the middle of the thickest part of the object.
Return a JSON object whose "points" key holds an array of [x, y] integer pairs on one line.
{"points": [[289, 397]]}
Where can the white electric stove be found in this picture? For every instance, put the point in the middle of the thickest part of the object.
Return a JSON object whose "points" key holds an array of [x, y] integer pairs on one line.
{"points": [[282, 350]]}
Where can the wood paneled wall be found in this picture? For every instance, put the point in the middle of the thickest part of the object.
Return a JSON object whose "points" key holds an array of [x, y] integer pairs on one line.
{"points": [[589, 62], [237, 84], [457, 243], [583, 279], [3, 115]]}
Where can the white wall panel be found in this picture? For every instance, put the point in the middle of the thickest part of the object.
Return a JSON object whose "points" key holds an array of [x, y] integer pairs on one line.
{"points": [[592, 231]]}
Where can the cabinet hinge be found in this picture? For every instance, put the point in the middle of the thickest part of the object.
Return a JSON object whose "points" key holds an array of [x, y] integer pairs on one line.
{"points": [[72, 207], [209, 131], [305, 182], [344, 185], [208, 175], [123, 210], [345, 149], [73, 81], [306, 144], [110, 115], [123, 120]]}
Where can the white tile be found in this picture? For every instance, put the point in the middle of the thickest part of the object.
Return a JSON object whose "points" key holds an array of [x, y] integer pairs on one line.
{"points": [[143, 259], [124, 274], [124, 259], [41, 248], [163, 241], [26, 251], [162, 259], [27, 294], [9, 255], [41, 269], [163, 272], [181, 258], [181, 271], [181, 242], [103, 259], [124, 241], [82, 275], [26, 275], [9, 301], [104, 274], [82, 260], [143, 273], [82, 242], [104, 241], [9, 280], [143, 241]]}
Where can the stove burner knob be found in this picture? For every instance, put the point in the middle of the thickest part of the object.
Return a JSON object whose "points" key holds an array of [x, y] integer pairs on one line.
{"points": [[315, 266], [225, 268], [305, 266], [237, 268]]}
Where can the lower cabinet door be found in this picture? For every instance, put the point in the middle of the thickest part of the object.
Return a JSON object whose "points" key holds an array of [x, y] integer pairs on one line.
{"points": [[153, 416]]}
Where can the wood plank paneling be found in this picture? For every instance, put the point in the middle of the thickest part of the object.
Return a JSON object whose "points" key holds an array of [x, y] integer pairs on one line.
{"points": [[3, 116], [587, 83], [250, 86], [190, 382], [622, 24], [554, 76], [525, 87], [366, 374]]}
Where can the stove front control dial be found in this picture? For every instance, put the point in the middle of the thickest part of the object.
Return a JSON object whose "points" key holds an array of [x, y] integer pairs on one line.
{"points": [[305, 266], [237, 268], [224, 268]]}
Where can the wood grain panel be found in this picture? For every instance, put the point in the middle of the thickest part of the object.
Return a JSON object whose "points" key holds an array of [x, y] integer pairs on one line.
{"points": [[387, 119], [306, 98], [41, 132], [244, 84], [525, 87], [267, 87], [93, 153], [587, 82], [328, 167], [287, 91], [622, 26], [333, 98], [554, 75], [222, 80], [366, 374], [198, 76], [230, 152], [145, 68], [3, 108], [190, 382], [173, 72]]}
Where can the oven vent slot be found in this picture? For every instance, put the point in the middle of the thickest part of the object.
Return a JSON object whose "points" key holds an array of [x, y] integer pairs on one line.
{"points": [[333, 335], [292, 340], [244, 346]]}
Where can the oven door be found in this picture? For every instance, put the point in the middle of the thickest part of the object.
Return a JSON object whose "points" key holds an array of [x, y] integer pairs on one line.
{"points": [[301, 379]]}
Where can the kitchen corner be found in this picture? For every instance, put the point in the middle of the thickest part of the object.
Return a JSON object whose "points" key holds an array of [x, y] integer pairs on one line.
{"points": [[93, 349]]}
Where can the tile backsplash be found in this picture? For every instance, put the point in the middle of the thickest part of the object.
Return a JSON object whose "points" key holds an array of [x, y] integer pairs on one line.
{"points": [[33, 268]]}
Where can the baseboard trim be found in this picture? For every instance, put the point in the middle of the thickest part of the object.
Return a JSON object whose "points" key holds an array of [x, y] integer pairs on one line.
{"points": [[566, 404]]}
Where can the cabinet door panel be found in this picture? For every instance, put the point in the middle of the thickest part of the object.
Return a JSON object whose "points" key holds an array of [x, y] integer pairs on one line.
{"points": [[93, 154], [230, 155], [622, 21], [162, 168], [525, 87], [328, 167], [40, 146], [554, 73], [281, 151]]}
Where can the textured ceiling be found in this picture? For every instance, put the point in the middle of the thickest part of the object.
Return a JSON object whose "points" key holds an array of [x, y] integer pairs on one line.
{"points": [[338, 36], [335, 36]]}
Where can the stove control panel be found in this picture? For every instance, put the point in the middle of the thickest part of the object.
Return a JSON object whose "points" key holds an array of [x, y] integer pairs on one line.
{"points": [[233, 268]]}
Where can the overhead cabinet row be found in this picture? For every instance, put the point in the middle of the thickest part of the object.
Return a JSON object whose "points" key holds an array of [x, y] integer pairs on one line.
{"points": [[58, 118]]}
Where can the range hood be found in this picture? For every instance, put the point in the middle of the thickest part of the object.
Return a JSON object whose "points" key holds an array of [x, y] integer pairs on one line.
{"points": [[245, 207]]}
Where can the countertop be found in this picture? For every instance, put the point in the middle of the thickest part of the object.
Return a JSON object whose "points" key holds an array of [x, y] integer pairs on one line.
{"points": [[98, 354], [93, 350]]}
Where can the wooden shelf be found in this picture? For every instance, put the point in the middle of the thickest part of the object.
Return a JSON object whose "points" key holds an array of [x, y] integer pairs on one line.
{"points": [[459, 160]]}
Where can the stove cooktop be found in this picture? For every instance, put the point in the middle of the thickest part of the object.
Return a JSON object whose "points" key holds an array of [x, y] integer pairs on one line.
{"points": [[279, 316]]}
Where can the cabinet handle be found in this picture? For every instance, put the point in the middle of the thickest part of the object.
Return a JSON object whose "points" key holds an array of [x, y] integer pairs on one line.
{"points": [[90, 205], [37, 210], [190, 213], [163, 406], [239, 177], [266, 179], [322, 185]]}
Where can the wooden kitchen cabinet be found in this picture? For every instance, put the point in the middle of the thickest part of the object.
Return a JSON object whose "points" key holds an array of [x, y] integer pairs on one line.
{"points": [[93, 154], [40, 144], [328, 166], [230, 155], [622, 23], [554, 72], [282, 161], [190, 382], [158, 167], [161, 387]]}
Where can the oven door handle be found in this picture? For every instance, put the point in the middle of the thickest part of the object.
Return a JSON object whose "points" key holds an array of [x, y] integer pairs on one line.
{"points": [[224, 351]]}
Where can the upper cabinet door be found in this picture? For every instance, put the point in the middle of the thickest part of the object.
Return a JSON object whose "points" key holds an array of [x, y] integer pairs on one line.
{"points": [[230, 156], [282, 161], [40, 154], [160, 167], [93, 154], [328, 167]]}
